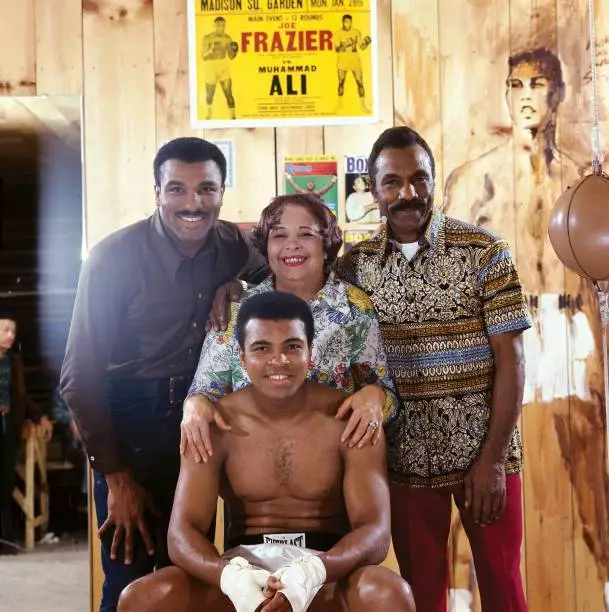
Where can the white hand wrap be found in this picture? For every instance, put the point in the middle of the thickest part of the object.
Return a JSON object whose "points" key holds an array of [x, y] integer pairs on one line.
{"points": [[243, 584], [302, 579]]}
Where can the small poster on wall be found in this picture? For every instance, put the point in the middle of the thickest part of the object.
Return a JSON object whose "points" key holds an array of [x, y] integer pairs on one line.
{"points": [[228, 149], [351, 237], [315, 174], [269, 63], [360, 206]]}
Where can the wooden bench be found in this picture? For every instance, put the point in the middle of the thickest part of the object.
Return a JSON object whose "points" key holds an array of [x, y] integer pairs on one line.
{"points": [[35, 459]]}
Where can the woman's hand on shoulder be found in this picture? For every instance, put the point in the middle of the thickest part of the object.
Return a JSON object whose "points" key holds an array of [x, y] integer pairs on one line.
{"points": [[366, 420], [197, 416]]}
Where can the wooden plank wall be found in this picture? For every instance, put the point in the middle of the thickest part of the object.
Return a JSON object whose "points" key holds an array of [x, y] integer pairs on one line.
{"points": [[443, 69]]}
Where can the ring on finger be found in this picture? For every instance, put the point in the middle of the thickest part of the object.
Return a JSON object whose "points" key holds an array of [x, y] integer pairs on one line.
{"points": [[373, 424]]}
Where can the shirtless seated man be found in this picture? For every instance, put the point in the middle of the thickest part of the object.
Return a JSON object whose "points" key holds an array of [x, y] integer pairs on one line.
{"points": [[310, 517]]}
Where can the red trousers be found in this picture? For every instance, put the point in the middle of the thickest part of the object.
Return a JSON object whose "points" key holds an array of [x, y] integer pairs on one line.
{"points": [[420, 525]]}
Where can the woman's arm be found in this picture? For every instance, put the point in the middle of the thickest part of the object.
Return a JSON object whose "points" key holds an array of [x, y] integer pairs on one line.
{"points": [[214, 375], [374, 402], [218, 371]]}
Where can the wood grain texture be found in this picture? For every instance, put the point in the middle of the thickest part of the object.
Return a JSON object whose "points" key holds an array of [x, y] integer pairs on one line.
{"points": [[416, 74], [17, 48], [119, 113], [58, 47], [254, 172], [584, 446], [537, 185], [171, 71]]}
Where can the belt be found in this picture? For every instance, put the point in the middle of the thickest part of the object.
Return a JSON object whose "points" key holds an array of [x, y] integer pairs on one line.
{"points": [[315, 540], [168, 390]]}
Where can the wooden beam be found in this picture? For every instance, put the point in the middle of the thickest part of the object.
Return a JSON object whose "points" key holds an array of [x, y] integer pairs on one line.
{"points": [[119, 109], [59, 47], [17, 48]]}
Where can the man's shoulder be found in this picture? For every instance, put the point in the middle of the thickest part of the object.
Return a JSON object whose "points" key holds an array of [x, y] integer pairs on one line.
{"points": [[325, 400], [458, 233], [229, 233], [122, 243]]}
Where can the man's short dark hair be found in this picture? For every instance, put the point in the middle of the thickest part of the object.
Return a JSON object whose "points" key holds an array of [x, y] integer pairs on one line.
{"points": [[398, 137], [345, 17], [219, 20], [190, 150], [274, 306]]}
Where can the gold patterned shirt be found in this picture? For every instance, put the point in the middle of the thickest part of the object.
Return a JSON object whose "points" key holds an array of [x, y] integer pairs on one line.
{"points": [[437, 313]]}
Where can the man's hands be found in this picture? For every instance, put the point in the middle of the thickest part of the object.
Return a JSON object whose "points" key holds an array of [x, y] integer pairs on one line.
{"points": [[275, 600], [127, 501], [197, 415], [219, 315], [242, 583], [485, 491], [295, 585], [366, 406]]}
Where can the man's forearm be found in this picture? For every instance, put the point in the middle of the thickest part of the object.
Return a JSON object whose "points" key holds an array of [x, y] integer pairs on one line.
{"points": [[194, 553], [366, 545], [508, 387], [94, 423]]}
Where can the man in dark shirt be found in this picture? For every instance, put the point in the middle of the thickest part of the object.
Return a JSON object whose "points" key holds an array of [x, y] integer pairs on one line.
{"points": [[143, 299]]}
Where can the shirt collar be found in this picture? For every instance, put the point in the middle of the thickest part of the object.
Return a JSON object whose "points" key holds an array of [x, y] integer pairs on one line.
{"points": [[164, 245], [433, 236], [333, 293]]}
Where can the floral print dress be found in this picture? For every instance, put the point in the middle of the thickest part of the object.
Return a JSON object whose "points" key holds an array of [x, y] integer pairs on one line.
{"points": [[347, 347]]}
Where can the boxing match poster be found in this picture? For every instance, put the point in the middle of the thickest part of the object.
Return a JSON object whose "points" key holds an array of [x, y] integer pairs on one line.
{"points": [[360, 207], [316, 174], [351, 237], [257, 63]]}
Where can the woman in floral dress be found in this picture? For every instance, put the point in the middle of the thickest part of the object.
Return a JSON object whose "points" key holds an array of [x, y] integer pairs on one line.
{"points": [[301, 240]]}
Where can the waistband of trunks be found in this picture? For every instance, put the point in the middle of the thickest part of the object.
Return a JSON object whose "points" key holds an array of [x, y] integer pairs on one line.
{"points": [[314, 540]]}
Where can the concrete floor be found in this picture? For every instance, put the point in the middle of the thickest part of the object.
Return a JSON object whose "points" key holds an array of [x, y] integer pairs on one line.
{"points": [[51, 578]]}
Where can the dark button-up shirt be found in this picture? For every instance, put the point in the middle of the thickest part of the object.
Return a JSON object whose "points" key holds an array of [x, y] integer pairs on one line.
{"points": [[140, 313]]}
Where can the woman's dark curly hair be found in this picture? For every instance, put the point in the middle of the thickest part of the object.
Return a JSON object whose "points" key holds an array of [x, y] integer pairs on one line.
{"points": [[331, 233]]}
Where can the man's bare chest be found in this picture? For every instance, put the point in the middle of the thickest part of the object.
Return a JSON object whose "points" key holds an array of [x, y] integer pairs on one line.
{"points": [[268, 465]]}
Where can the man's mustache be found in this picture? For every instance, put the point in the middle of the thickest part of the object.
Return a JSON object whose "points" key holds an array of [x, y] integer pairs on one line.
{"points": [[415, 203]]}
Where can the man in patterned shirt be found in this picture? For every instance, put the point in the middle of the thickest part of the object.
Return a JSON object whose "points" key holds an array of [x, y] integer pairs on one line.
{"points": [[452, 315]]}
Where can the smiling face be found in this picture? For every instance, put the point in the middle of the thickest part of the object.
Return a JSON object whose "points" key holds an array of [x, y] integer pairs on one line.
{"points": [[189, 199], [403, 187], [528, 96], [295, 247], [276, 356]]}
